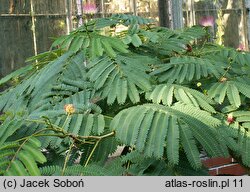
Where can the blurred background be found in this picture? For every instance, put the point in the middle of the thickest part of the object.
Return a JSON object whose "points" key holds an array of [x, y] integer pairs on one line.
{"points": [[28, 27]]}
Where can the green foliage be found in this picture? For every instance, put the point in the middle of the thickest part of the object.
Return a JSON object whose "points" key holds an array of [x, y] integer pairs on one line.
{"points": [[140, 165], [111, 169], [150, 127], [167, 95], [19, 158], [122, 77], [186, 68], [231, 89]]}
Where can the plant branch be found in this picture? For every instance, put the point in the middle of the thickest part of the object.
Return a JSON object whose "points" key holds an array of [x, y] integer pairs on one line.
{"points": [[78, 138], [92, 152], [66, 121], [98, 137], [67, 158]]}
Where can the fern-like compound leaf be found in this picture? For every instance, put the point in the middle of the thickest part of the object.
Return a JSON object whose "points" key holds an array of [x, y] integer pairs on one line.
{"points": [[158, 127]]}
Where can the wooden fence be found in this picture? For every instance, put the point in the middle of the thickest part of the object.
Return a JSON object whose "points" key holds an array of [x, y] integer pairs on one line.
{"points": [[27, 28]]}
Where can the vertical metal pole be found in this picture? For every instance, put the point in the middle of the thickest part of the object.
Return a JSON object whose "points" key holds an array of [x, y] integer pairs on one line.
{"points": [[187, 14], [103, 11], [33, 28], [177, 14], [193, 12], [70, 14], [134, 7], [68, 10], [171, 13], [79, 12], [246, 17], [67, 16]]}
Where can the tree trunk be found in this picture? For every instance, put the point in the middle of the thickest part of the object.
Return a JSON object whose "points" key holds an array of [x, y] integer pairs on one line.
{"points": [[163, 7]]}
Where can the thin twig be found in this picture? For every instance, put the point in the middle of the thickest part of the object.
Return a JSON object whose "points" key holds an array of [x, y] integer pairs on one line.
{"points": [[92, 152], [67, 158], [66, 121]]}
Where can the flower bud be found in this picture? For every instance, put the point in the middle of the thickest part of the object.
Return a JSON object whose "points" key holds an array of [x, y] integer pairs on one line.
{"points": [[223, 79], [69, 108], [189, 48], [199, 84], [230, 118]]}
